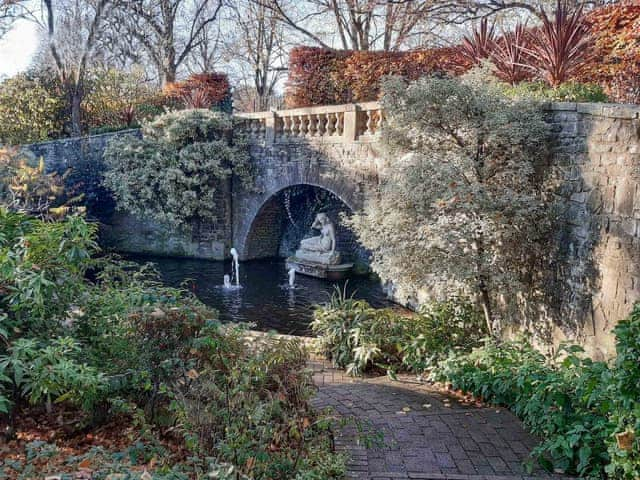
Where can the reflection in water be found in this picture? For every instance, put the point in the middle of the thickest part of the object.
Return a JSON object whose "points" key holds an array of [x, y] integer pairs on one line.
{"points": [[265, 297]]}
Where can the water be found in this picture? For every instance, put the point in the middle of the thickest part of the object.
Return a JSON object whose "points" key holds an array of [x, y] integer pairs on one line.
{"points": [[265, 297]]}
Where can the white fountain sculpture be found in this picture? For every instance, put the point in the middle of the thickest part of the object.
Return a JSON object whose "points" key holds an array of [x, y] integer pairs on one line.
{"points": [[226, 280], [317, 256], [235, 268], [322, 248], [292, 277]]}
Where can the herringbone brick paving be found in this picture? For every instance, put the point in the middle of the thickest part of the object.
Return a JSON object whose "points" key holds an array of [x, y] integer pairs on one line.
{"points": [[414, 431]]}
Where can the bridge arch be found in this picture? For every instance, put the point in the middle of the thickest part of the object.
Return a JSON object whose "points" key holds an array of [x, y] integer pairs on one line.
{"points": [[258, 233]]}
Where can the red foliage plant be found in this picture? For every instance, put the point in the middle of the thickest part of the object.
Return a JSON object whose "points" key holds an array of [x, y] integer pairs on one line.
{"points": [[509, 56], [311, 79], [203, 89], [615, 55], [318, 76], [560, 45], [197, 99], [480, 44]]}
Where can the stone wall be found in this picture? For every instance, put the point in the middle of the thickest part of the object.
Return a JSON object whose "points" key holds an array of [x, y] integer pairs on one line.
{"points": [[596, 152]]}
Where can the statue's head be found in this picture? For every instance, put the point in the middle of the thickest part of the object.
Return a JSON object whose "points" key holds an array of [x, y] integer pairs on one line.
{"points": [[323, 218]]}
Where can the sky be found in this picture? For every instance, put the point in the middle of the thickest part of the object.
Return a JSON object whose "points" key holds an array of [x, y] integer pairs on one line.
{"points": [[18, 47]]}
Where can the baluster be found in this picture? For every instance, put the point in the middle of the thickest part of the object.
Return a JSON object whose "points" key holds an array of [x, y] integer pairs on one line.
{"points": [[340, 123], [304, 125], [312, 129], [287, 132], [370, 123], [378, 120], [296, 126], [322, 124], [263, 128], [254, 128], [332, 119]]}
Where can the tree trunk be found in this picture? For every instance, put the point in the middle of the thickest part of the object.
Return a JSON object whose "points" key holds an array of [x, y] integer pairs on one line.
{"points": [[76, 112], [483, 287], [485, 302], [74, 95], [167, 76]]}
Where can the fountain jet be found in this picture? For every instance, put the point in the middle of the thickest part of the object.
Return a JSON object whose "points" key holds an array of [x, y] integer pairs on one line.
{"points": [[235, 268]]}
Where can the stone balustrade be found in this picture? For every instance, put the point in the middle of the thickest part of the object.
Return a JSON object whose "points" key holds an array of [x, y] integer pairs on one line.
{"points": [[335, 123]]}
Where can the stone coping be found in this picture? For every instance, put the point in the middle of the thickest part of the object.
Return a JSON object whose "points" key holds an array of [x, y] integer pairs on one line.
{"points": [[317, 109], [127, 131], [260, 335], [609, 110]]}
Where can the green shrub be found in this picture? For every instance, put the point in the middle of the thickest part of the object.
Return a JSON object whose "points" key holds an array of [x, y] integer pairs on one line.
{"points": [[566, 92], [439, 328], [357, 337], [584, 410], [117, 100], [31, 108], [49, 372], [625, 462], [42, 269]]}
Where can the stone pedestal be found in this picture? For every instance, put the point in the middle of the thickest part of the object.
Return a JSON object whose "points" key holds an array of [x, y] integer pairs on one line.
{"points": [[326, 258], [319, 270]]}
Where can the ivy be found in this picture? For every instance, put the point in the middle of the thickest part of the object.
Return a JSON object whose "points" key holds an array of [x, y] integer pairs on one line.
{"points": [[175, 172]]}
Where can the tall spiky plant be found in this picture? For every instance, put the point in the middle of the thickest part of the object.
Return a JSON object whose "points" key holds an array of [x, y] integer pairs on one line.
{"points": [[509, 56], [198, 98], [561, 44], [480, 43]]}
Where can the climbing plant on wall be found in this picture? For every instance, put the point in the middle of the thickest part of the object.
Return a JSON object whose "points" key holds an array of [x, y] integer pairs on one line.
{"points": [[174, 172]]}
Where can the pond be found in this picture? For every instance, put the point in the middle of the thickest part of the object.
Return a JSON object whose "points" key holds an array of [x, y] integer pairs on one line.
{"points": [[265, 297]]}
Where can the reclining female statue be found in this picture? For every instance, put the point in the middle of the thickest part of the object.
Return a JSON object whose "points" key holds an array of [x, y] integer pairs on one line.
{"points": [[322, 248]]}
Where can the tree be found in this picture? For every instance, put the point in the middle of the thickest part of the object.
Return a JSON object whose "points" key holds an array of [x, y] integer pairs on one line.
{"points": [[461, 11], [259, 48], [201, 90], [461, 207], [72, 30], [168, 30], [10, 11], [358, 24]]}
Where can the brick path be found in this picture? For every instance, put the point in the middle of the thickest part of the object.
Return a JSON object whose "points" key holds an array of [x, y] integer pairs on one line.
{"points": [[425, 434]]}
